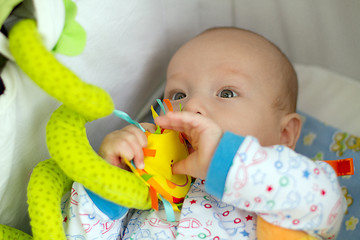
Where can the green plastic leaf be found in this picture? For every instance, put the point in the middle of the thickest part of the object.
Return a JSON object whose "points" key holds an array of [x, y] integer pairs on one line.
{"points": [[73, 38], [146, 177], [6, 6]]}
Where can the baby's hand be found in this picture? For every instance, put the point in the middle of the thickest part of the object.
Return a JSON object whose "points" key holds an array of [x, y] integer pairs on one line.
{"points": [[128, 143], [202, 133]]}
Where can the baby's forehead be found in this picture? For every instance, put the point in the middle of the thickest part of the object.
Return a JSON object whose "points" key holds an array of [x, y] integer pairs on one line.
{"points": [[224, 45], [234, 36], [268, 60], [236, 43]]}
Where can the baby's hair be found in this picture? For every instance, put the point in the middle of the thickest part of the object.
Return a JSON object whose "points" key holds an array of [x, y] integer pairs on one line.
{"points": [[287, 98]]}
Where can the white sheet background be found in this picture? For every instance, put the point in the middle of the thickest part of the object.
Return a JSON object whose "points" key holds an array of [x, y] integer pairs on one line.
{"points": [[129, 45]]}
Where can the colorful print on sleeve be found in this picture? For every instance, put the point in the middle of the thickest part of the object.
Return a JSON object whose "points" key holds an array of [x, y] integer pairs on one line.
{"points": [[285, 188], [83, 220]]}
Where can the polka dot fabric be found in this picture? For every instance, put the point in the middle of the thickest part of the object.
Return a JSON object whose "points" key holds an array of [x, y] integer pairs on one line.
{"points": [[47, 185], [10, 233], [72, 156], [69, 147]]}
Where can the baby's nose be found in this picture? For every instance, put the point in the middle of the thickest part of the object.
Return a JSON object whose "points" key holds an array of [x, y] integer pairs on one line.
{"points": [[195, 105]]}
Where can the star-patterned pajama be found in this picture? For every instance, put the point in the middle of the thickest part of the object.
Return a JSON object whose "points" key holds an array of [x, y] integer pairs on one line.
{"points": [[244, 180]]}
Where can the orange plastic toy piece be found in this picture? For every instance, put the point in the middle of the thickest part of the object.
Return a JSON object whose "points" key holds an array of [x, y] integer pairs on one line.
{"points": [[342, 166]]}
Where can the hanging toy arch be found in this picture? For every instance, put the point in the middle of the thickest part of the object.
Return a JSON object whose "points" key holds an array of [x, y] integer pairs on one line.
{"points": [[72, 157]]}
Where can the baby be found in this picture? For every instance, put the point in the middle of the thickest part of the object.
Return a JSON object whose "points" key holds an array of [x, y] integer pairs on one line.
{"points": [[238, 94]]}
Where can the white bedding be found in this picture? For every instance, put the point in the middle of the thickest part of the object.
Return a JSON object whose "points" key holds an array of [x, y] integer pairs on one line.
{"points": [[129, 45], [330, 97]]}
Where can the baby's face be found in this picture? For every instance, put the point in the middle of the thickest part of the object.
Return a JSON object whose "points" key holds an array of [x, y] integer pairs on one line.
{"points": [[230, 78]]}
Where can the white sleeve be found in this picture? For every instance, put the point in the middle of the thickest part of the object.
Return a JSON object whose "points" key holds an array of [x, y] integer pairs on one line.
{"points": [[285, 188], [82, 219]]}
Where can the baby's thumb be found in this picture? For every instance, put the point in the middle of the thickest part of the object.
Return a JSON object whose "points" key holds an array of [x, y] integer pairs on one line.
{"points": [[180, 167], [189, 166]]}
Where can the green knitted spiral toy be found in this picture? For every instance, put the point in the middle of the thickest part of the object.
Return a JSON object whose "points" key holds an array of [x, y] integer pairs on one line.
{"points": [[72, 157]]}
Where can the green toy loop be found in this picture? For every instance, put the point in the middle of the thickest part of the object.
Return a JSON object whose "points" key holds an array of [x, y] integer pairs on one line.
{"points": [[69, 147], [48, 183], [54, 78], [72, 156], [7, 232]]}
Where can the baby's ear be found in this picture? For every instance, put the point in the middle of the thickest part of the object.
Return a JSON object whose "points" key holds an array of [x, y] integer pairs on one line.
{"points": [[290, 130]]}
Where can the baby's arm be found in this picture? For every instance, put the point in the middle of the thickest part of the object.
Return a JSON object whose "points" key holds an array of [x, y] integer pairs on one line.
{"points": [[284, 187], [128, 143], [86, 215]]}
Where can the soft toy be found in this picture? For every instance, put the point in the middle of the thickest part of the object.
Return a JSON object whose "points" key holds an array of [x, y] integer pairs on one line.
{"points": [[68, 145], [73, 159]]}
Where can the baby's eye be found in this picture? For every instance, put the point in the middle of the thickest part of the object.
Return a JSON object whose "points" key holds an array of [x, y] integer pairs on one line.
{"points": [[178, 96], [226, 93]]}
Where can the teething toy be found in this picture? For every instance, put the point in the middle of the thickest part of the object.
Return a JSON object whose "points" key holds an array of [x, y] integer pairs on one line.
{"points": [[165, 147], [163, 150]]}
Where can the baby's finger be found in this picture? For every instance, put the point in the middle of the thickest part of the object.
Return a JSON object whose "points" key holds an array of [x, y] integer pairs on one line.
{"points": [[132, 131], [180, 167], [149, 127], [131, 149], [194, 126], [178, 121], [138, 157], [191, 166], [137, 141]]}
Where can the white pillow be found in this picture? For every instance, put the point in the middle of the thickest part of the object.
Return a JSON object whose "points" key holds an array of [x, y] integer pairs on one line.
{"points": [[329, 97]]}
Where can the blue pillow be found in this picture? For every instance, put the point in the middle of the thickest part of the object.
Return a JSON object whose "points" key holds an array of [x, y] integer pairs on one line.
{"points": [[320, 141]]}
